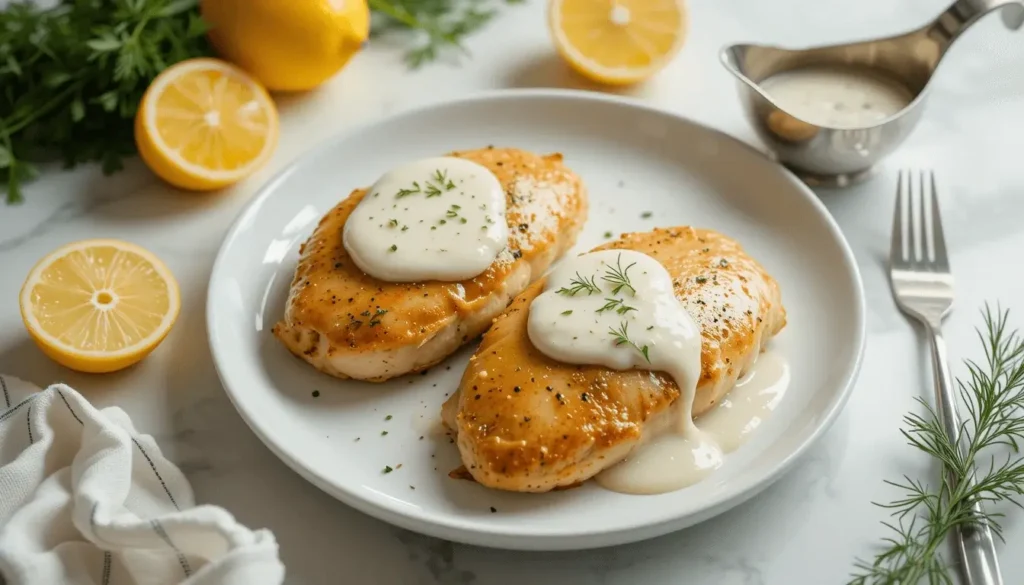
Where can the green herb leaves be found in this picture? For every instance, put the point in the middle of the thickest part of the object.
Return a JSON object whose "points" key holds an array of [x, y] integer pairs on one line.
{"points": [[71, 78], [621, 336], [446, 23], [617, 305], [618, 278], [926, 512], [579, 284], [437, 184]]}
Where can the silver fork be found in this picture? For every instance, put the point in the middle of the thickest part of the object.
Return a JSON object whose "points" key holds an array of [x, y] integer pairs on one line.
{"points": [[923, 286]]}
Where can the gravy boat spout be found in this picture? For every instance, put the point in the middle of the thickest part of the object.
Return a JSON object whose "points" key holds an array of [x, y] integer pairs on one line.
{"points": [[824, 154]]}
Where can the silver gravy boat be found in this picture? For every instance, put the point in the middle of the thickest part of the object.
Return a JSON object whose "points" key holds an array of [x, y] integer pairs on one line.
{"points": [[829, 156]]}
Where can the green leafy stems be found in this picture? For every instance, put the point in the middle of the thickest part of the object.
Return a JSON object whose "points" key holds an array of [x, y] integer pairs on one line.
{"points": [[618, 278], [927, 512], [72, 76], [444, 24]]}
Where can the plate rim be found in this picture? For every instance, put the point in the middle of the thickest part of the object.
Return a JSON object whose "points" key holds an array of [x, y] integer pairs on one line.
{"points": [[415, 520]]}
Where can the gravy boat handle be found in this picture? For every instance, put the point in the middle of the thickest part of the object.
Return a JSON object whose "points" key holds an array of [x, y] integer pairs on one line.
{"points": [[960, 16]]}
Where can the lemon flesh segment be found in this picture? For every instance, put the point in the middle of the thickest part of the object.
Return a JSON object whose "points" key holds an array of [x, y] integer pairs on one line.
{"points": [[99, 305], [618, 41], [204, 124]]}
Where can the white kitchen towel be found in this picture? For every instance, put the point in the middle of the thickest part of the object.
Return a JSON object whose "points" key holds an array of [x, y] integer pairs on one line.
{"points": [[87, 500]]}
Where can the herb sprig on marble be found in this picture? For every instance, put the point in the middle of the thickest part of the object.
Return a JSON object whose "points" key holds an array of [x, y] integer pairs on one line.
{"points": [[926, 512], [442, 24]]}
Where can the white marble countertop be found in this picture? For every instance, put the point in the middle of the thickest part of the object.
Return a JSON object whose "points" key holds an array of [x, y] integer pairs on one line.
{"points": [[807, 529]]}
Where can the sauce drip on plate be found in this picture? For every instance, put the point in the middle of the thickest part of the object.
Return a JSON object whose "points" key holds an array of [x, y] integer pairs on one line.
{"points": [[670, 461], [438, 218]]}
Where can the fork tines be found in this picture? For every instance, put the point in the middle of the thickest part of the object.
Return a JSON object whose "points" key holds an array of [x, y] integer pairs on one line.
{"points": [[918, 242]]}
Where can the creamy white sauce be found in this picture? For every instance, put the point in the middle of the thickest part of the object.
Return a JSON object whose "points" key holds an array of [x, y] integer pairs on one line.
{"points": [[669, 462], [837, 97], [581, 318], [756, 395], [433, 219]]}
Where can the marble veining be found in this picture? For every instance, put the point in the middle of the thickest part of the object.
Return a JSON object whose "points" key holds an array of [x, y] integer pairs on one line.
{"points": [[805, 529]]}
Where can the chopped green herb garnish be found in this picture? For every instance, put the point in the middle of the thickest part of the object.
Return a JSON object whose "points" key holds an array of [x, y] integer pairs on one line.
{"points": [[388, 417], [393, 248], [463, 220], [442, 180], [393, 223], [387, 469], [617, 305], [701, 279], [383, 433], [404, 192], [621, 336], [452, 213], [567, 313], [619, 277], [646, 215], [580, 283], [607, 234]]}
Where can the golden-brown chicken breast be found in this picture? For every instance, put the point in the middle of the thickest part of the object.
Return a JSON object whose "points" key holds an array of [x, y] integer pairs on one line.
{"points": [[348, 324], [525, 422]]}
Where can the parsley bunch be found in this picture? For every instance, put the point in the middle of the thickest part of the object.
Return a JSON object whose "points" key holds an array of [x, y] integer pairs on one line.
{"points": [[71, 77]]}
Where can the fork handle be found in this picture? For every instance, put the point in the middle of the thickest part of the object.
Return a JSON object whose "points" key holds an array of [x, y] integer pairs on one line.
{"points": [[974, 544]]}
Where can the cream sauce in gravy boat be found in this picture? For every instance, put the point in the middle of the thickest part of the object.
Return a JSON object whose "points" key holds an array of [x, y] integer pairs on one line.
{"points": [[828, 142]]}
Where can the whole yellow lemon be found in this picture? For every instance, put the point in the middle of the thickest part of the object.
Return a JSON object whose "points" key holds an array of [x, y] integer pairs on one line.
{"points": [[288, 45]]}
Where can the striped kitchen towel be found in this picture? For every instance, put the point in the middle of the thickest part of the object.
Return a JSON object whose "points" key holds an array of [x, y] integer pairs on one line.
{"points": [[87, 500]]}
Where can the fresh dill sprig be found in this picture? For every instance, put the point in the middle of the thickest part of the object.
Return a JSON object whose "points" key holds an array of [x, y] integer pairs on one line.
{"points": [[621, 336], [619, 277], [410, 191], [579, 284], [442, 180], [617, 305], [432, 187], [927, 512]]}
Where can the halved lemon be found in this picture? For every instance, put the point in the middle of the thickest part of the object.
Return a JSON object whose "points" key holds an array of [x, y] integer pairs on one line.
{"points": [[618, 42], [99, 305], [204, 124]]}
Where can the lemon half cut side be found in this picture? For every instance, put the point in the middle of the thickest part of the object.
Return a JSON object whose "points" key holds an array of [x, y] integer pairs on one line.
{"points": [[99, 305]]}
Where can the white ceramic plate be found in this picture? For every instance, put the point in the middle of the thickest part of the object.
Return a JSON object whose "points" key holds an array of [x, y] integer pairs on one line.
{"points": [[634, 160]]}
